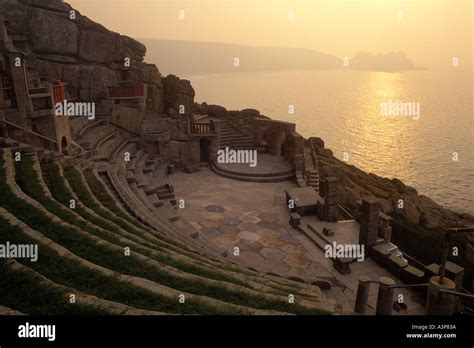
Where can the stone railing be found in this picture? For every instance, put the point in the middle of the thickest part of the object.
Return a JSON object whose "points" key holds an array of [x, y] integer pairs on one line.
{"points": [[202, 128]]}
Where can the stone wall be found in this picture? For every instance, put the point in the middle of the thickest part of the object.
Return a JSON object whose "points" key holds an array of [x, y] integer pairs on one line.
{"points": [[62, 130], [276, 134], [183, 152], [127, 118]]}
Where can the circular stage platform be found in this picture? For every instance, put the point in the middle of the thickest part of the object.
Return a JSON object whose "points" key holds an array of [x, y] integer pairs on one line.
{"points": [[268, 168]]}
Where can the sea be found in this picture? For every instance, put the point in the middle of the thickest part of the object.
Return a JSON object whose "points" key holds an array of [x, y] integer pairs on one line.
{"points": [[416, 126]]}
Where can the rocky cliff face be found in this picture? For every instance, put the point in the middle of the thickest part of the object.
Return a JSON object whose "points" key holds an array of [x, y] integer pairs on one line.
{"points": [[417, 209], [60, 43], [179, 96]]}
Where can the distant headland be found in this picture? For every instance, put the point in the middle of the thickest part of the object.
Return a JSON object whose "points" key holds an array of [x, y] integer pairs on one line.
{"points": [[200, 57]]}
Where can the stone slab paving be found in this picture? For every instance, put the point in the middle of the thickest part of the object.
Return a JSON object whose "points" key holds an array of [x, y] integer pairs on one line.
{"points": [[247, 215]]}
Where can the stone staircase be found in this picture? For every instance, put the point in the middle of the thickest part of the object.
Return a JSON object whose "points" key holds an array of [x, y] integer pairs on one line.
{"points": [[233, 138], [313, 180]]}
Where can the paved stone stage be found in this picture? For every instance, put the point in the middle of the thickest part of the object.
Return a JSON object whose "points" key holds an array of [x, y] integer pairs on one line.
{"points": [[254, 217], [251, 216], [269, 168]]}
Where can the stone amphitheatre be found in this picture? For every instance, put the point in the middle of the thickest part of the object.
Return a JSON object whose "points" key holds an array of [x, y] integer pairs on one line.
{"points": [[134, 214]]}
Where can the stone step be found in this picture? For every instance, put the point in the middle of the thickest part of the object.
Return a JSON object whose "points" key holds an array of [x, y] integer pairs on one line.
{"points": [[150, 190], [249, 178], [149, 169], [168, 195], [289, 172], [130, 177], [319, 236], [174, 218], [158, 203], [236, 142], [234, 136], [238, 147], [315, 238], [7, 142]]}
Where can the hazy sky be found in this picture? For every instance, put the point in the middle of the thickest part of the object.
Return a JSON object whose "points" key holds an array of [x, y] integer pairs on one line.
{"points": [[430, 32]]}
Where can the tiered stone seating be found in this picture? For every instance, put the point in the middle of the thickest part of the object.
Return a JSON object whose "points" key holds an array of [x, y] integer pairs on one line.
{"points": [[77, 123], [147, 177], [86, 304], [158, 217], [106, 149], [120, 148], [97, 136], [89, 240], [90, 125]]}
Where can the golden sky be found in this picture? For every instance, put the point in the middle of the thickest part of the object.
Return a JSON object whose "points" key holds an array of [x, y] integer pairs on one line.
{"points": [[430, 32]]}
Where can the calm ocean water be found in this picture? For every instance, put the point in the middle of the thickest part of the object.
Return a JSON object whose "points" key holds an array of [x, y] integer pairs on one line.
{"points": [[344, 108]]}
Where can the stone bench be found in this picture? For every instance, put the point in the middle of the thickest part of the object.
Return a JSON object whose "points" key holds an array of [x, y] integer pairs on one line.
{"points": [[342, 264], [328, 232]]}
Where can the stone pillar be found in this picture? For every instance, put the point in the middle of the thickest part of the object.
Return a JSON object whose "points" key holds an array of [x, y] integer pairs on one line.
{"points": [[369, 222], [214, 146], [217, 139], [385, 230], [322, 186], [455, 273], [362, 296], [330, 198], [385, 296], [438, 303], [298, 144], [276, 143]]}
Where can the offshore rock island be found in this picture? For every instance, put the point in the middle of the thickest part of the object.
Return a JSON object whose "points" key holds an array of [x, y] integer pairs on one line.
{"points": [[130, 198]]}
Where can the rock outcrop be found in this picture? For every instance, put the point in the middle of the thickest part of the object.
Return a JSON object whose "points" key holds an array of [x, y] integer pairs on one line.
{"points": [[178, 96], [391, 61], [63, 44], [417, 209]]}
